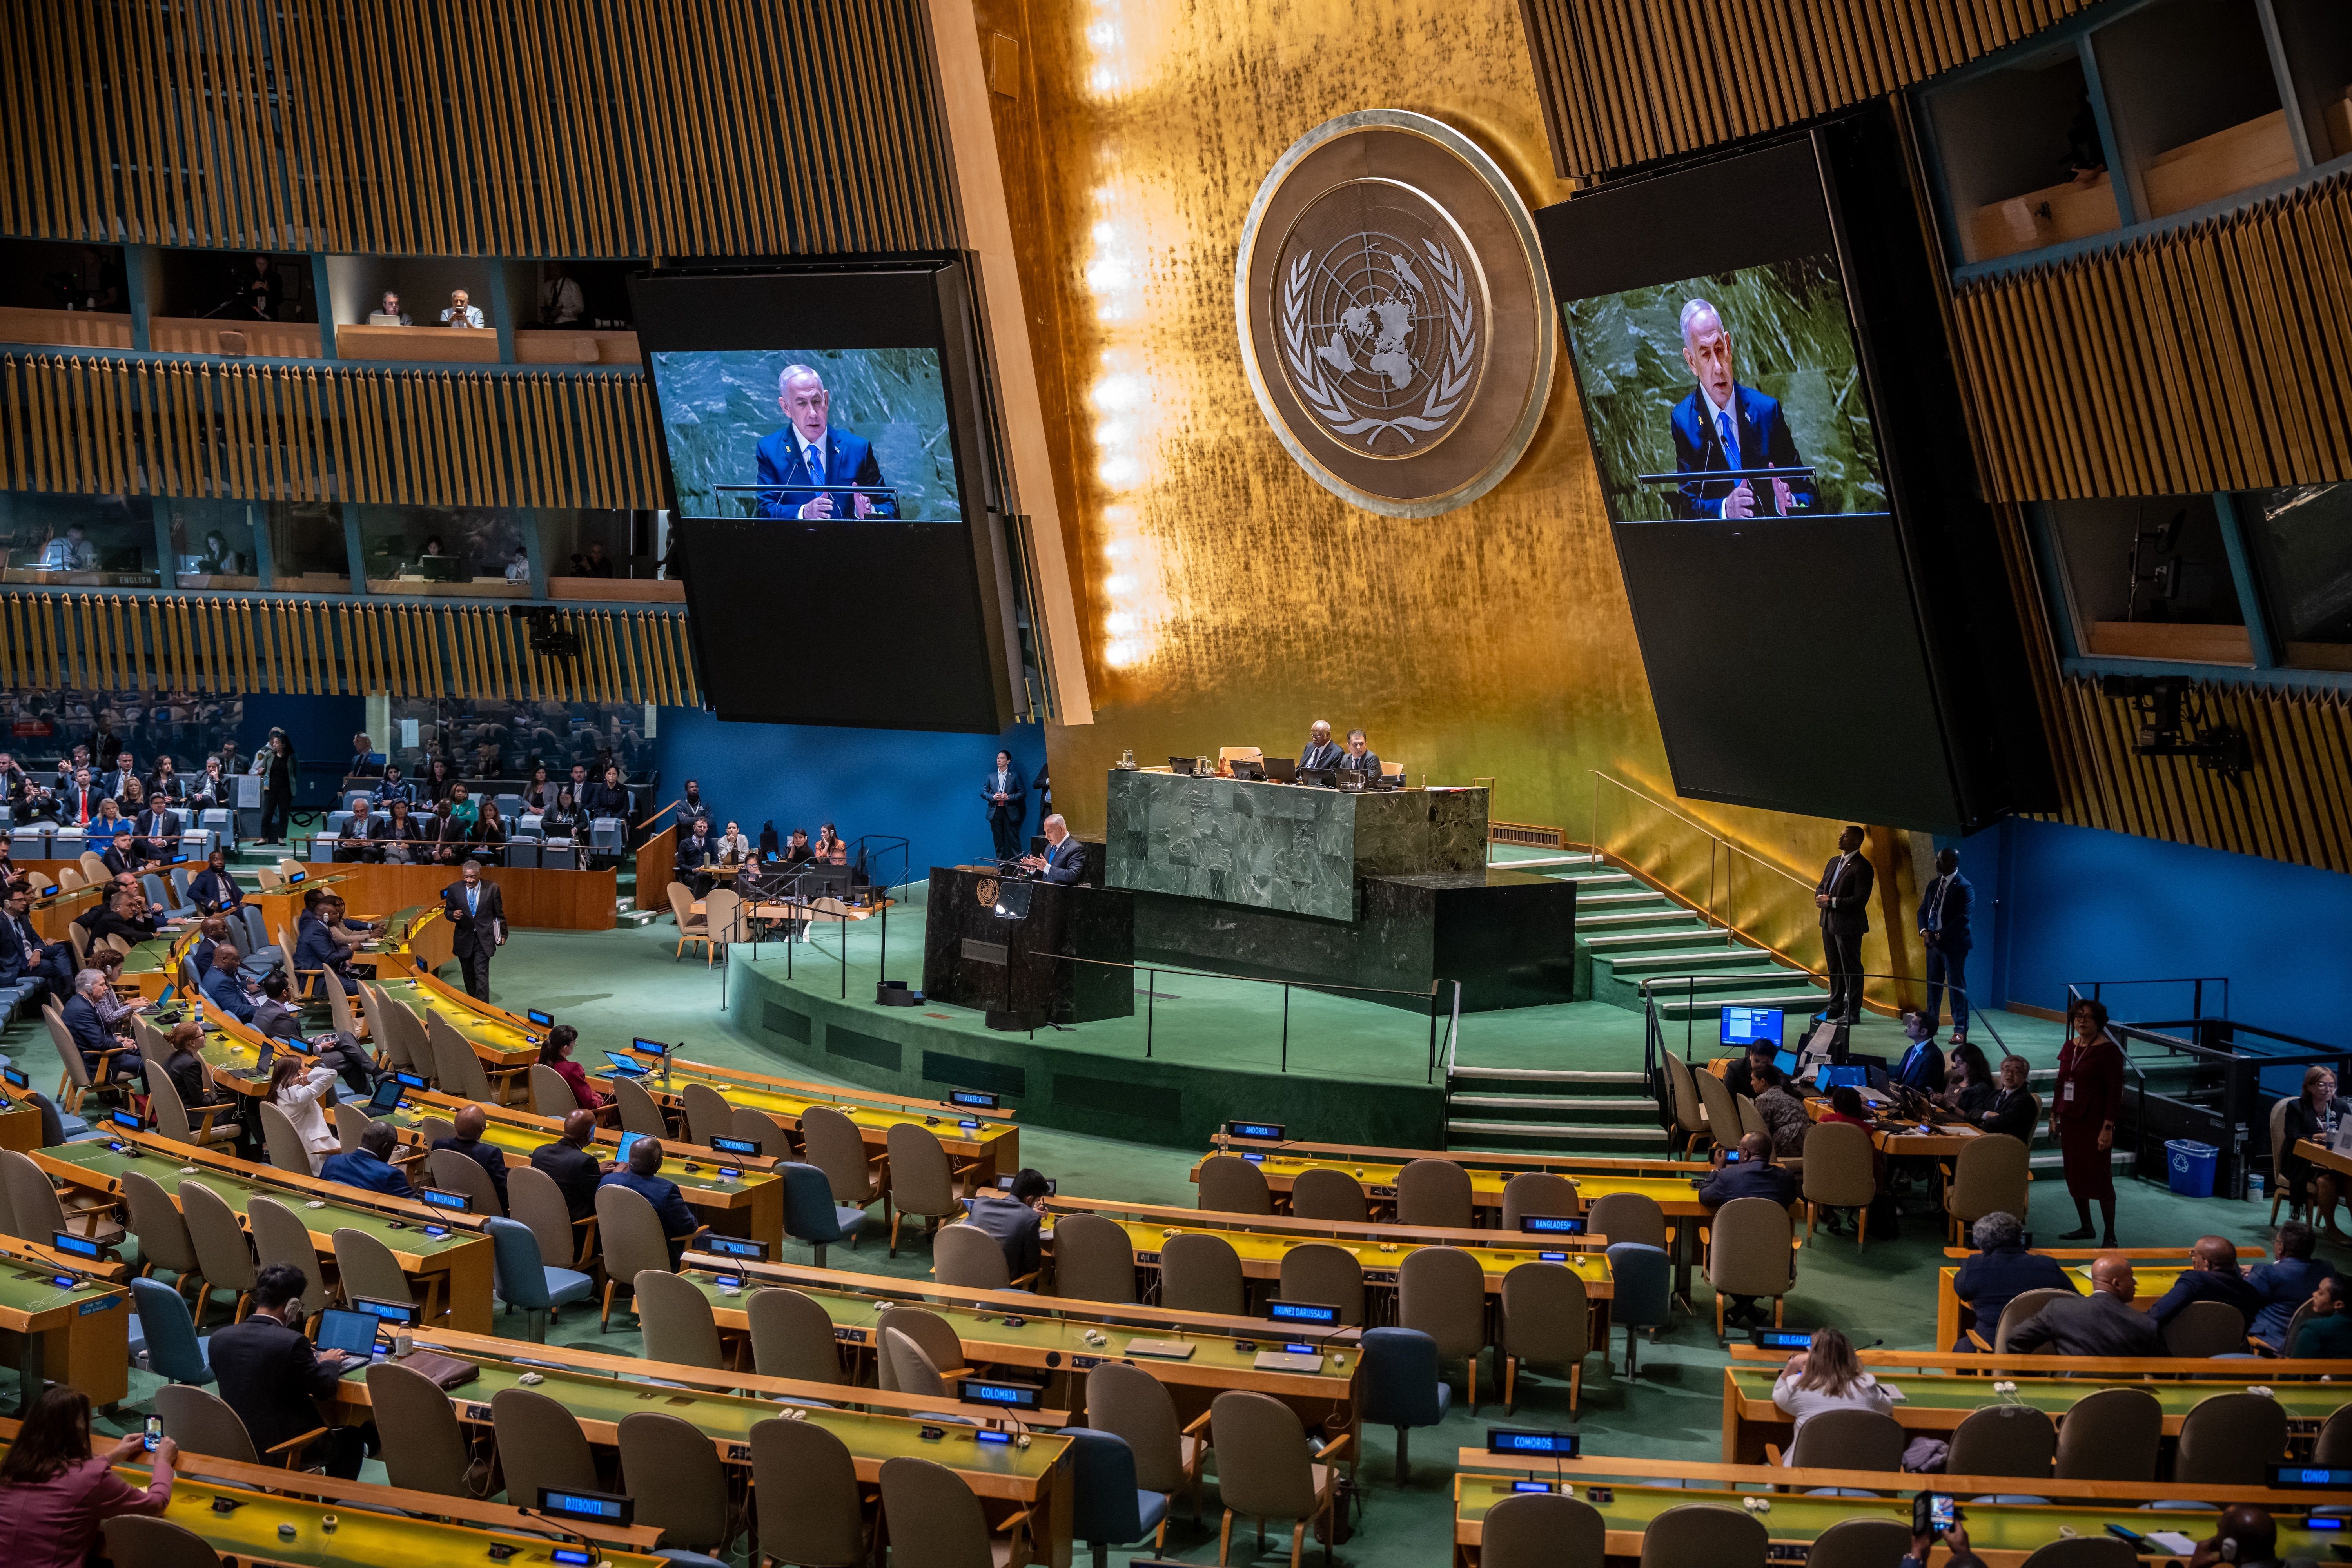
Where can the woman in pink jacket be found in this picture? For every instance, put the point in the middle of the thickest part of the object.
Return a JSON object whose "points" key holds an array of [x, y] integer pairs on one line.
{"points": [[54, 1494]]}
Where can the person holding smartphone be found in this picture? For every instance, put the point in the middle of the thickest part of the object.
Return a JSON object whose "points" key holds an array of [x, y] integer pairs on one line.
{"points": [[1933, 1517], [55, 1493]]}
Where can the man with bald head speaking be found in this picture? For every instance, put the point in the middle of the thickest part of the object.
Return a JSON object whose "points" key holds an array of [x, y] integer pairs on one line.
{"points": [[1725, 426], [808, 452]]}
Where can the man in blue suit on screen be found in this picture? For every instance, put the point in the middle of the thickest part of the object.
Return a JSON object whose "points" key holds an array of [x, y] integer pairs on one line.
{"points": [[808, 452], [1723, 425]]}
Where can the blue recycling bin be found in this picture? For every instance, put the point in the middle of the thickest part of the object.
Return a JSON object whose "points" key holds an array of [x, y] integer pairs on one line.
{"points": [[2190, 1167]]}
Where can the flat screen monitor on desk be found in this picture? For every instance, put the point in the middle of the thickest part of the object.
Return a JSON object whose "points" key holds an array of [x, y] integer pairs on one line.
{"points": [[380, 319], [432, 568], [1828, 1078], [1746, 1026], [1281, 770], [1246, 768], [1321, 778]]}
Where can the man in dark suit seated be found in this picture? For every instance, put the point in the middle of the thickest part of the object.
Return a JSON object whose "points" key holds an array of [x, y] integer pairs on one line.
{"points": [[467, 1127], [808, 453], [696, 849], [1065, 859], [112, 917], [575, 1171], [1319, 753], [643, 1176], [271, 1375], [1012, 1217], [1752, 1175], [2212, 1275], [223, 987], [369, 1167], [1360, 757], [365, 764], [1999, 1272], [87, 1028], [2103, 1323], [362, 837], [25, 958], [152, 838], [117, 780], [1724, 426], [315, 948]]}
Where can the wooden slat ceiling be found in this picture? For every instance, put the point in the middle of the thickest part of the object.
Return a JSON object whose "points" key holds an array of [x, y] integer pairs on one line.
{"points": [[476, 127], [319, 432]]}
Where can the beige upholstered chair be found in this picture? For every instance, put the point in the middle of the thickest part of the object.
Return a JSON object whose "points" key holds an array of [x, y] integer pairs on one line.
{"points": [[935, 1521], [137, 1540], [453, 1171], [1705, 1535], [1231, 1185], [1841, 1173], [281, 1236], [633, 1242], [1723, 1124], [1319, 1271], [222, 1256], [1323, 1193], [930, 1331], [792, 1336], [2004, 1440], [549, 1095], [834, 1146], [368, 1270], [806, 1487], [692, 927], [162, 1232], [968, 1257], [1131, 1403], [1435, 1193], [1093, 1260], [1682, 1097], [1861, 1543], [2111, 1435], [1750, 1251], [533, 1198], [1629, 1216], [1545, 1530], [640, 1111], [213, 1123], [1442, 1292], [1545, 1322], [1265, 1471], [1202, 1273], [424, 1451], [922, 1178], [1853, 1439], [1539, 1193], [2228, 1439], [676, 1319], [287, 1150], [2205, 1329], [540, 1445], [2022, 1305], [1991, 1176], [708, 1114]]}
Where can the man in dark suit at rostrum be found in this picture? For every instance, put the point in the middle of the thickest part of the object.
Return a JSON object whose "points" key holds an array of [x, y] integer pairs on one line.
{"points": [[477, 922], [1065, 859], [1844, 895], [271, 1375], [1320, 752], [1008, 805], [1723, 425], [2104, 1322], [1360, 757], [808, 453]]}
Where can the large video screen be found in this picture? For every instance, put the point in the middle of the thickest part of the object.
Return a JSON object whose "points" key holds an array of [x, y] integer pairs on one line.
{"points": [[1733, 432]]}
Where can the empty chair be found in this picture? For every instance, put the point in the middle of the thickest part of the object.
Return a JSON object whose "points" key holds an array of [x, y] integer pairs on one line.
{"points": [[350, 1122], [1231, 1185], [37, 1208], [2228, 1439], [526, 1283], [1265, 1471], [639, 1111], [368, 1270], [922, 1178], [833, 1145], [1642, 1277], [708, 1114], [2083, 1552], [1705, 1535], [2335, 1445], [424, 1451], [137, 1540], [722, 915], [633, 1242], [1326, 1193], [792, 1336], [1545, 1322], [1093, 1260], [1539, 1193], [540, 1445], [805, 1486], [1723, 1124], [168, 1334], [453, 1171], [1841, 1173], [2206, 1329], [162, 1232], [1401, 1387], [1318, 1271], [201, 1423], [1751, 1118], [1689, 1112], [2110, 1436], [461, 1070], [812, 1214], [676, 1317], [759, 1129], [287, 1150], [281, 1236], [931, 1333], [911, 1370], [2004, 1440], [692, 927], [1441, 1291], [1107, 1508], [935, 1521], [1750, 1252], [534, 1199], [1848, 1439], [1862, 1543], [1201, 1273], [549, 1095], [670, 1467], [968, 1257], [1545, 1529], [1990, 1176], [1627, 1217], [1434, 1192], [222, 1256], [1131, 1403]]}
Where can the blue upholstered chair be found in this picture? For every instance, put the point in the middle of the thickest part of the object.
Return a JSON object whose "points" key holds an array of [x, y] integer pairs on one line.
{"points": [[810, 1212], [524, 1278], [166, 1334], [1642, 1278], [1107, 1508], [1402, 1385]]}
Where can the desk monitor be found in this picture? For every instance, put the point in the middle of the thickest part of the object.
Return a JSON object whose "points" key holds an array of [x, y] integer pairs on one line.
{"points": [[1247, 768], [544, 1020], [443, 1198], [586, 1507], [1179, 765], [628, 1141], [1268, 1130], [735, 1247], [1543, 1445], [401, 1314], [16, 1079], [74, 1246], [1552, 1224], [725, 1145], [1746, 1026], [1827, 1078], [353, 1334], [411, 1080], [1781, 1339], [298, 876], [383, 319], [132, 1120], [1321, 778], [1786, 1060], [650, 1047], [2336, 1478], [1281, 770], [1317, 1314], [985, 1391], [971, 1100], [385, 1099]]}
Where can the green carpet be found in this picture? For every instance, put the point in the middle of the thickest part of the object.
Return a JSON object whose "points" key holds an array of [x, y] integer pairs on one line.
{"points": [[616, 985]]}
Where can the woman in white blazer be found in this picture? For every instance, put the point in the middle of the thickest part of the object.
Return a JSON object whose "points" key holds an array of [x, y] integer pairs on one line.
{"points": [[298, 1095]]}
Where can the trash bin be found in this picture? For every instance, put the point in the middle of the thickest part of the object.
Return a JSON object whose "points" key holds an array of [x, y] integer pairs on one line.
{"points": [[2190, 1167]]}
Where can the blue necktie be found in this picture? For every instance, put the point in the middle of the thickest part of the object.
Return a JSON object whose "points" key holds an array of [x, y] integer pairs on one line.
{"points": [[473, 900], [814, 461], [1730, 439]]}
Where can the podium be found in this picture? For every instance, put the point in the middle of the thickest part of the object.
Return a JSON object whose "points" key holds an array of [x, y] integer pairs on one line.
{"points": [[1004, 945]]}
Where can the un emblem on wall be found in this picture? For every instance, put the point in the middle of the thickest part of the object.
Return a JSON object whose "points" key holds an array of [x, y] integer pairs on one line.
{"points": [[1395, 320]]}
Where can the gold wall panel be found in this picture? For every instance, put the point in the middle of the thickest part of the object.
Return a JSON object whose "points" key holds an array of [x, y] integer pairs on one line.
{"points": [[2214, 357], [1627, 81], [474, 127], [91, 642], [1226, 597], [313, 432]]}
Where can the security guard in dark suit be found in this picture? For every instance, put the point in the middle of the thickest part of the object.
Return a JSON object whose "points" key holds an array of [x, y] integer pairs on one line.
{"points": [[1843, 895]]}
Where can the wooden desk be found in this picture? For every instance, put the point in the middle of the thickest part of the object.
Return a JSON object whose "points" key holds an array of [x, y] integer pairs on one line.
{"points": [[1666, 1181], [20, 1126], [2320, 1155], [454, 1270], [1898, 1139], [440, 345], [1488, 1171], [78, 1334], [1948, 1306]]}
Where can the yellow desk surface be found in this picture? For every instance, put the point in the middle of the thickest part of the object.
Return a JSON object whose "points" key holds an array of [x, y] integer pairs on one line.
{"points": [[1673, 1194], [1262, 1253], [995, 1144]]}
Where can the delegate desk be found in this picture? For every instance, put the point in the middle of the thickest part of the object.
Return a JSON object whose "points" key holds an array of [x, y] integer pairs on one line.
{"points": [[76, 1332], [2003, 1534], [1895, 1139], [1028, 952], [2077, 1260], [2320, 1155], [988, 1139], [500, 1038], [750, 1204], [600, 1391], [1935, 1403], [453, 1271], [1050, 1334]]}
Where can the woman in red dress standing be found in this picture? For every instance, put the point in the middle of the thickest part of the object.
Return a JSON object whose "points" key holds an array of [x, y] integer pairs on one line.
{"points": [[2090, 1094]]}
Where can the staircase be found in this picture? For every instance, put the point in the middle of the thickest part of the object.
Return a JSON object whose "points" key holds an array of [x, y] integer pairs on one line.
{"points": [[1551, 1110], [1627, 931]]}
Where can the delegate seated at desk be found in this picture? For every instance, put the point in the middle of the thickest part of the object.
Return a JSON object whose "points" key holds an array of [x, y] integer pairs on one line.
{"points": [[1065, 859], [1319, 751], [1360, 757]]}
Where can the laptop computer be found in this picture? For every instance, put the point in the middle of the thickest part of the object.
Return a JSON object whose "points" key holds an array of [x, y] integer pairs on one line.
{"points": [[353, 1334], [386, 1097], [627, 1066], [260, 1068], [383, 319], [1179, 765], [1322, 778], [1245, 768], [1281, 770]]}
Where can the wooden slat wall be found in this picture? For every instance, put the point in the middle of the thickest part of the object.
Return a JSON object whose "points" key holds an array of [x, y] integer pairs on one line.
{"points": [[88, 642], [313, 432], [2217, 357], [476, 127], [1627, 81]]}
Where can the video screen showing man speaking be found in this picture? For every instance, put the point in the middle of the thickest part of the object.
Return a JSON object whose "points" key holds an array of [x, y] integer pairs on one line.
{"points": [[1732, 397], [809, 434]]}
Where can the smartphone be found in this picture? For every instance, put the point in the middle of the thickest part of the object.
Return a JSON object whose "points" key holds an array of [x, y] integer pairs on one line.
{"points": [[154, 1438], [1932, 1513]]}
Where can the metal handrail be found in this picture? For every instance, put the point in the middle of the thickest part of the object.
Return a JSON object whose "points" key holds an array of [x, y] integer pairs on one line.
{"points": [[1690, 1024]]}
